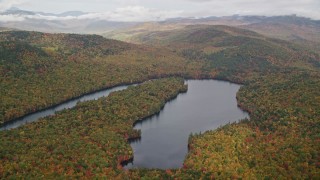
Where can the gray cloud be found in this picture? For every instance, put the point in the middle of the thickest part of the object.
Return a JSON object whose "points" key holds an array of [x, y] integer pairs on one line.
{"points": [[147, 10], [10, 18], [308, 8], [197, 1], [6, 4], [129, 13]]}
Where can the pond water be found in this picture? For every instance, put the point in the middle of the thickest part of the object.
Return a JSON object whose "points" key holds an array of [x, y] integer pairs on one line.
{"points": [[207, 105], [52, 110]]}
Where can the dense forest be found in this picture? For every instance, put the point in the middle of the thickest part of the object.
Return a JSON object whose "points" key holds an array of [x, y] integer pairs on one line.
{"points": [[89, 140], [281, 82], [39, 70]]}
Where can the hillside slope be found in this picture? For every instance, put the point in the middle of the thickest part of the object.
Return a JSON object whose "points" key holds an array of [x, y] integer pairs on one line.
{"points": [[299, 30], [280, 91], [39, 70], [282, 78], [231, 51]]}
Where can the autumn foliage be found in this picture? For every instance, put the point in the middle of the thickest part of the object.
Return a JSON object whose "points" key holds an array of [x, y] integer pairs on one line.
{"points": [[281, 93]]}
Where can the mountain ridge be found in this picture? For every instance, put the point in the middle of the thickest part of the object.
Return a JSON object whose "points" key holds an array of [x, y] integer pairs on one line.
{"points": [[280, 91]]}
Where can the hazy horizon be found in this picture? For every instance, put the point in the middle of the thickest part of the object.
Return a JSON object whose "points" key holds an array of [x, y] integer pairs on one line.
{"points": [[150, 10]]}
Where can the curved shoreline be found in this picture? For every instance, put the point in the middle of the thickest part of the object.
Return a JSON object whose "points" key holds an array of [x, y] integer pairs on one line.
{"points": [[125, 162], [6, 123], [136, 137], [54, 105], [17, 119]]}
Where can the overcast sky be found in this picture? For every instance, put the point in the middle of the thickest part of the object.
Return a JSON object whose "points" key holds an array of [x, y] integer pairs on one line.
{"points": [[145, 10]]}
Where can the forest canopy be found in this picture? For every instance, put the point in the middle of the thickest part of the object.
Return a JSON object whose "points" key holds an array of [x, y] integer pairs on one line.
{"points": [[38, 70]]}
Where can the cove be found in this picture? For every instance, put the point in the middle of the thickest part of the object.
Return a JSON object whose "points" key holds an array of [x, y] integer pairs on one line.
{"points": [[207, 105], [65, 105]]}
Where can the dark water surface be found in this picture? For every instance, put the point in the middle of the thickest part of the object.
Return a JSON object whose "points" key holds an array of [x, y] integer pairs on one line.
{"points": [[66, 105], [207, 105]]}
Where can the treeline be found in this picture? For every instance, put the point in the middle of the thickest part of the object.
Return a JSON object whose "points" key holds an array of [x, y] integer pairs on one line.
{"points": [[87, 141], [280, 91], [39, 70], [36, 66], [279, 141], [281, 80]]}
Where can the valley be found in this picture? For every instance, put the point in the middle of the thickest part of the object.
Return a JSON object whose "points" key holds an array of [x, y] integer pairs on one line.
{"points": [[280, 81]]}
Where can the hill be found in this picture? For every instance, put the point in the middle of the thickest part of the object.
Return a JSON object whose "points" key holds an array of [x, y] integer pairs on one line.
{"points": [[231, 51], [280, 94], [285, 27], [280, 91], [35, 67], [299, 30]]}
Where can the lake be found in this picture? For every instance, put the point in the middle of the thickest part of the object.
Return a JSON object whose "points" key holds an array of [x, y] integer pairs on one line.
{"points": [[207, 105], [53, 110]]}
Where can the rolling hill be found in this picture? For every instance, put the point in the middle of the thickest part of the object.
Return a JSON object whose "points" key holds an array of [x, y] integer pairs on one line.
{"points": [[35, 66], [280, 91], [231, 51], [299, 30]]}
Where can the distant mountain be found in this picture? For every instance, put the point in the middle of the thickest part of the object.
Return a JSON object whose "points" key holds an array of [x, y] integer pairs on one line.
{"points": [[103, 25], [63, 22], [72, 13], [285, 27], [300, 30], [293, 28], [17, 11], [293, 19]]}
